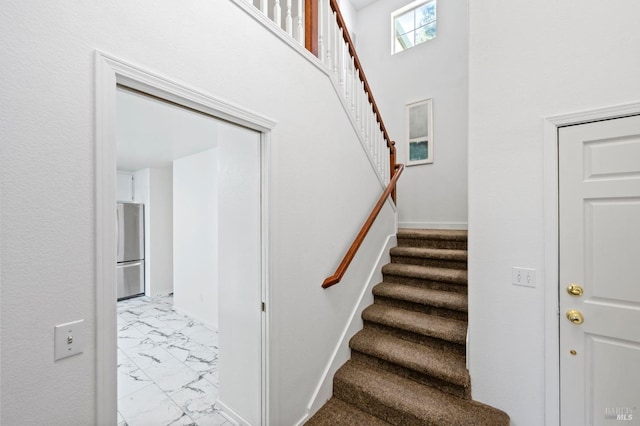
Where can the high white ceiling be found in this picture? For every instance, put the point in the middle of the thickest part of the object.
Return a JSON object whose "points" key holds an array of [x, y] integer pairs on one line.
{"points": [[153, 133], [361, 4]]}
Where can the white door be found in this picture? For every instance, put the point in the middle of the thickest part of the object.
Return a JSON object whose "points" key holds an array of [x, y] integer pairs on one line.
{"points": [[240, 274], [599, 170]]}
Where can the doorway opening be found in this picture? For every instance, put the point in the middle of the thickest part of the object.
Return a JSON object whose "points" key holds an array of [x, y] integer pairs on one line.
{"points": [[204, 256]]}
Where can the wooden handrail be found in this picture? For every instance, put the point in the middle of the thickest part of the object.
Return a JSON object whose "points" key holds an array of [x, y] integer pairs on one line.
{"points": [[342, 268], [395, 170]]}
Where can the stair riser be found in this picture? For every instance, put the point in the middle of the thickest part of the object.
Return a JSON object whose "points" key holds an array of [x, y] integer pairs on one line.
{"points": [[372, 405], [425, 261], [418, 307], [421, 282], [461, 391], [434, 342], [426, 243]]}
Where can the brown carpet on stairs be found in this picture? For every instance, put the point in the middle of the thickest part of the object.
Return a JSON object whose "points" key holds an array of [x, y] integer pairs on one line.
{"points": [[407, 364]]}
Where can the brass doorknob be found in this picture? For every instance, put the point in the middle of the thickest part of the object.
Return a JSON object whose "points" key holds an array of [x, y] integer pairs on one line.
{"points": [[575, 317], [575, 290]]}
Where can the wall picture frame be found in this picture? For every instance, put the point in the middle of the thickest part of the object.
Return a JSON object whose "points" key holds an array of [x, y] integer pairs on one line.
{"points": [[419, 132]]}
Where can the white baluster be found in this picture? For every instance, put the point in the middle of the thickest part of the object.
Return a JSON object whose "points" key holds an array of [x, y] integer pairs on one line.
{"points": [[336, 42], [363, 108], [332, 41], [374, 144], [380, 154], [348, 79], [358, 99], [277, 14], [345, 67], [321, 30], [300, 24], [368, 130], [329, 44], [340, 49], [365, 125], [368, 123], [263, 6], [288, 20], [354, 76]]}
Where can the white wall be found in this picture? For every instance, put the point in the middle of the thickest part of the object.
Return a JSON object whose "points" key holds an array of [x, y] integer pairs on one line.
{"points": [[154, 188], [528, 60], [161, 226], [321, 187], [349, 14], [433, 195], [195, 235]]}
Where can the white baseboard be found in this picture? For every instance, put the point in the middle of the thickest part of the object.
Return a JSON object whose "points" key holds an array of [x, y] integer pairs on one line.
{"points": [[231, 415], [342, 353], [434, 225], [303, 420]]}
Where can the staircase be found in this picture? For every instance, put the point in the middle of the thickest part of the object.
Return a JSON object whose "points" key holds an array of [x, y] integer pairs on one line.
{"points": [[407, 364]]}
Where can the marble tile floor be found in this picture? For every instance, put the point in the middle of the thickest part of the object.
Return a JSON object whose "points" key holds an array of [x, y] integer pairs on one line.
{"points": [[167, 367]]}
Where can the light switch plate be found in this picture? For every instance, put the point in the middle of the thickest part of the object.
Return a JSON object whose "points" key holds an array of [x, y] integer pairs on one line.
{"points": [[68, 339], [523, 276]]}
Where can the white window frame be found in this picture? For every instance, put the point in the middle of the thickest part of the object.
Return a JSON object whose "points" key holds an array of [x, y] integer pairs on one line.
{"points": [[414, 5], [429, 136]]}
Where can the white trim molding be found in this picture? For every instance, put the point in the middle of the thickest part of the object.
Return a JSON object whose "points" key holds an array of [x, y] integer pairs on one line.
{"points": [[551, 230], [111, 72]]}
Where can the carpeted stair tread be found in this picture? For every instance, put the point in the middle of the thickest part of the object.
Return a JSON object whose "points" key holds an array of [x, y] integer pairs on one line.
{"points": [[429, 273], [429, 253], [401, 401], [337, 412], [447, 329], [420, 358], [408, 363], [421, 295], [433, 234]]}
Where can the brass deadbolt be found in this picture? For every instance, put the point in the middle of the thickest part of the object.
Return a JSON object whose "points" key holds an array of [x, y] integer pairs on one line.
{"points": [[575, 290]]}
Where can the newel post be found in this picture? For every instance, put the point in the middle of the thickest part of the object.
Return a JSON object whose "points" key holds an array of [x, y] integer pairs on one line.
{"points": [[311, 26], [392, 166]]}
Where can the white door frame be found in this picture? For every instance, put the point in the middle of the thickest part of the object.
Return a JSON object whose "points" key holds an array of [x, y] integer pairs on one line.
{"points": [[551, 241], [111, 71]]}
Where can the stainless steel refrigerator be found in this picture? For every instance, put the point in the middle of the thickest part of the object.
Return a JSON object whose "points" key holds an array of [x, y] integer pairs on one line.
{"points": [[130, 250]]}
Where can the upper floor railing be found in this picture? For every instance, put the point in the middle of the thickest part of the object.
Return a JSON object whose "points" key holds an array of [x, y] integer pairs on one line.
{"points": [[320, 27]]}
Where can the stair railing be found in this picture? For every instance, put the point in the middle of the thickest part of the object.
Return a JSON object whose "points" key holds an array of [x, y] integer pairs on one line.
{"points": [[327, 37], [324, 33]]}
